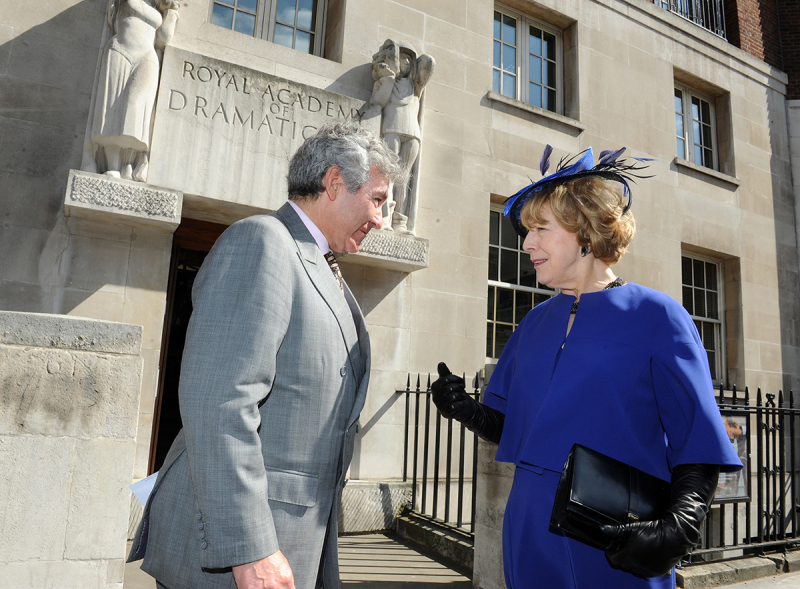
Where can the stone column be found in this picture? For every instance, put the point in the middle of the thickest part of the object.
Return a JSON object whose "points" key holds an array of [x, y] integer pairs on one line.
{"points": [[70, 399]]}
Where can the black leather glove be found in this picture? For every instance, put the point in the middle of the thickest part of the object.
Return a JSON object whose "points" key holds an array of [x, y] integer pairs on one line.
{"points": [[453, 402], [652, 548]]}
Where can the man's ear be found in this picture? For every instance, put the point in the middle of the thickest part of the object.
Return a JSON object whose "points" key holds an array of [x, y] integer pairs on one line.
{"points": [[333, 182]]}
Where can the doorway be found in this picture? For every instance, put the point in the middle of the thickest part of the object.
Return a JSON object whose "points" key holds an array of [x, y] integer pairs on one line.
{"points": [[190, 245]]}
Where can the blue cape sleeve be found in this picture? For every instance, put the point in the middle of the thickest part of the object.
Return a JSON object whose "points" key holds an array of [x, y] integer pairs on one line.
{"points": [[496, 395], [689, 414]]}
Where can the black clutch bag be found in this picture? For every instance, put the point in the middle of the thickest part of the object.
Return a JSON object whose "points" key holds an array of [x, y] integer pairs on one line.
{"points": [[596, 489]]}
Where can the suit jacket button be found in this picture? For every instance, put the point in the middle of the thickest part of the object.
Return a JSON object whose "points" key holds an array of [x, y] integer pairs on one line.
{"points": [[201, 525], [204, 545], [202, 534], [343, 370], [199, 516]]}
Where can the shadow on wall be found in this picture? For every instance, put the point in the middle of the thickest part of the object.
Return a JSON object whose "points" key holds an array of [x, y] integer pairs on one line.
{"points": [[46, 77], [786, 236]]}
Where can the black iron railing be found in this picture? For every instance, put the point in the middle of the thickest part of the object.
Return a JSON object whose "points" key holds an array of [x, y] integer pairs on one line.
{"points": [[756, 510], [443, 466], [709, 14]]}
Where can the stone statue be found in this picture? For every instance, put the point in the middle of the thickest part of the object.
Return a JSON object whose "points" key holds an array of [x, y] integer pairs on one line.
{"points": [[127, 85], [398, 94]]}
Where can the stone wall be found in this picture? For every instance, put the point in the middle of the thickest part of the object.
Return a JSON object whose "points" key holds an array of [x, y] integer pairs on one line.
{"points": [[70, 397]]}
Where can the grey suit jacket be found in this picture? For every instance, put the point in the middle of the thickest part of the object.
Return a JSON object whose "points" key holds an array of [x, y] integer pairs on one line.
{"points": [[273, 377]]}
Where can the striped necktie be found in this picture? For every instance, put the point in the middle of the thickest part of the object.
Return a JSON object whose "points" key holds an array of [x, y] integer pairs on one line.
{"points": [[331, 259]]}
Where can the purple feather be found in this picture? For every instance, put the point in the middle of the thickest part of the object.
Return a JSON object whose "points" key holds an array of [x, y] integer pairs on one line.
{"points": [[609, 157], [645, 159], [544, 165]]}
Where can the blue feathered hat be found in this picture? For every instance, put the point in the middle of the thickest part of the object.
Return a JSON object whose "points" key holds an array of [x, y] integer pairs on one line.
{"points": [[609, 166]]}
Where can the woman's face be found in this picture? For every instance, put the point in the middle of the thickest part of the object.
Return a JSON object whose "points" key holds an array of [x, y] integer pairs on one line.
{"points": [[555, 252]]}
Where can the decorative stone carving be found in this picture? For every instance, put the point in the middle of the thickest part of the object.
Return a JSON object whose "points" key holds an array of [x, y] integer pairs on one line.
{"points": [[384, 249], [398, 95], [107, 199], [127, 85]]}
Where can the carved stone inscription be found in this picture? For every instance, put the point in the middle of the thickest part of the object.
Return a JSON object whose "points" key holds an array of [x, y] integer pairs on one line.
{"points": [[226, 132]]}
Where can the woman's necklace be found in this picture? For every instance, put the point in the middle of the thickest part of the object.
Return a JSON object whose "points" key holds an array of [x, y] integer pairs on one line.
{"points": [[614, 283]]}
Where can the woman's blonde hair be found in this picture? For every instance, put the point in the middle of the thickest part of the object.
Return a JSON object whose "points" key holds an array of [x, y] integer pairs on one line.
{"points": [[591, 208]]}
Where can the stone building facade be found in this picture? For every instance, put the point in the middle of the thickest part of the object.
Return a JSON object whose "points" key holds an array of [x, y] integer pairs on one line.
{"points": [[234, 101]]}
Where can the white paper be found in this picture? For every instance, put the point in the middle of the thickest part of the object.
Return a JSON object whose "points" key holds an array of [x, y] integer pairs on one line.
{"points": [[143, 488]]}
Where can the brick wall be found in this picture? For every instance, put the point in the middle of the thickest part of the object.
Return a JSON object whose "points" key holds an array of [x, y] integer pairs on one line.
{"points": [[753, 25], [789, 14]]}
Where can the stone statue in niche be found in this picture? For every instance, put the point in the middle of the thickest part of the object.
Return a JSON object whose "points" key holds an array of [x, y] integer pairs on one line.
{"points": [[398, 95], [127, 85]]}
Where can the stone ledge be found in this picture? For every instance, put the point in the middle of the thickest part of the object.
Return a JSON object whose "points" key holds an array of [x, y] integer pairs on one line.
{"points": [[69, 333], [455, 548], [387, 249], [106, 199], [725, 573], [535, 110], [732, 181]]}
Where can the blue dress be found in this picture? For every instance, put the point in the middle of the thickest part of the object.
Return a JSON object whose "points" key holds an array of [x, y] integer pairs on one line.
{"points": [[631, 381]]}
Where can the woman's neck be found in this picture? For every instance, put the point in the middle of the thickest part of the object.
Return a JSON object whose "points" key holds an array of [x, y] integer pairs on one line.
{"points": [[596, 280]]}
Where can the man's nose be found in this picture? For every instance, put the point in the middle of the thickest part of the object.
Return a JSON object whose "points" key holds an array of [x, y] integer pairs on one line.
{"points": [[377, 219]]}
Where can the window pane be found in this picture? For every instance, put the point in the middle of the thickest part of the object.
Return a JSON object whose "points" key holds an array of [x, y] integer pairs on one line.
{"points": [[508, 266], [509, 30], [696, 133], [709, 341], [496, 55], [535, 40], [286, 13], [306, 14], [283, 35], [549, 42], [679, 125], [699, 303], [245, 23], [711, 306], [705, 110], [494, 228], [527, 274], [497, 25], [502, 334], [509, 59], [536, 69], [523, 305], [509, 86], [249, 5], [698, 155], [711, 276], [686, 270], [494, 262], [489, 342], [490, 304], [695, 108], [508, 237], [539, 298], [699, 273], [678, 100], [712, 364], [708, 158], [304, 42], [496, 81], [535, 92], [706, 136], [222, 16], [505, 305], [688, 302], [549, 74], [681, 148], [549, 100]]}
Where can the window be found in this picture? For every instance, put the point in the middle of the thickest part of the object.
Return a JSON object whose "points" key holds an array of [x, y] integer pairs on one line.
{"points": [[291, 23], [513, 289], [695, 128], [702, 297], [526, 62]]}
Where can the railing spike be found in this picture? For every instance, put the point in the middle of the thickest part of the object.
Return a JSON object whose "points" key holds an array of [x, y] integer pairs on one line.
{"points": [[418, 382], [429, 381], [408, 382]]}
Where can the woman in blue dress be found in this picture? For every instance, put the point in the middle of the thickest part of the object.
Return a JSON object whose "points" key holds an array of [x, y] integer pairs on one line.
{"points": [[614, 366]]}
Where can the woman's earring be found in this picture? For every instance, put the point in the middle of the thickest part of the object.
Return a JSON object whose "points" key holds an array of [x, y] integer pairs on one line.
{"points": [[585, 250]]}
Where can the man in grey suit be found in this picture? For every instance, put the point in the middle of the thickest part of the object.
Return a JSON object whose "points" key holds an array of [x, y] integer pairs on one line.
{"points": [[273, 378]]}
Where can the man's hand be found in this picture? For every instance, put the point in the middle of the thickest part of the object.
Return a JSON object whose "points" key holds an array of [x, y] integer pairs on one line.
{"points": [[272, 572]]}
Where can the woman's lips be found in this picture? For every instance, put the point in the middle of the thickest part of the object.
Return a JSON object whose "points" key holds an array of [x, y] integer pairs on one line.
{"points": [[537, 263]]}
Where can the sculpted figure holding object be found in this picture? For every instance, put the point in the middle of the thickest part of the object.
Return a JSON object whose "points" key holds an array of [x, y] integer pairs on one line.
{"points": [[127, 84]]}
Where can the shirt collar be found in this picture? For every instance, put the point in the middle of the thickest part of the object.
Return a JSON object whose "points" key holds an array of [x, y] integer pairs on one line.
{"points": [[321, 240]]}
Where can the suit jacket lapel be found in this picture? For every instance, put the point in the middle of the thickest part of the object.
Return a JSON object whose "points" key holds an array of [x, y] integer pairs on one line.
{"points": [[324, 281]]}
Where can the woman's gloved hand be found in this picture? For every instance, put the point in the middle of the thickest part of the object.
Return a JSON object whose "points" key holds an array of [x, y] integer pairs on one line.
{"points": [[451, 399], [652, 548]]}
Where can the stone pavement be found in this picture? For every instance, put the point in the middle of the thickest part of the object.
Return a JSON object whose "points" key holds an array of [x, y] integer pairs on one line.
{"points": [[372, 561], [786, 581]]}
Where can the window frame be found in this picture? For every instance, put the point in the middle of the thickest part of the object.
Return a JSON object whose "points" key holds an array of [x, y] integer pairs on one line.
{"points": [[522, 73], [266, 14], [688, 134], [509, 286], [720, 331]]}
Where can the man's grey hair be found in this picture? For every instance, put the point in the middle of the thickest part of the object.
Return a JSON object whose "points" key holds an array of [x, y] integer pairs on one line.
{"points": [[350, 147]]}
